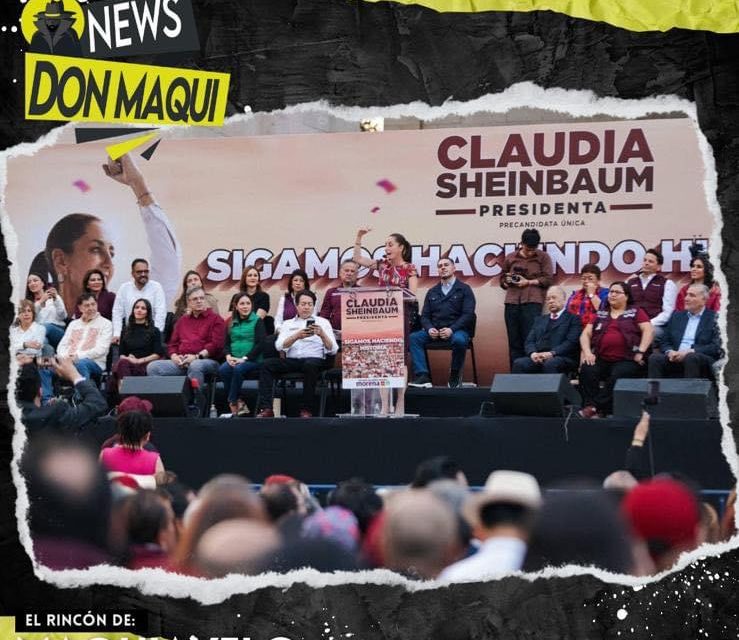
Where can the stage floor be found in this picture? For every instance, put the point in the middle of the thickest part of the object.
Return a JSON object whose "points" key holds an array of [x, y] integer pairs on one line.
{"points": [[385, 451]]}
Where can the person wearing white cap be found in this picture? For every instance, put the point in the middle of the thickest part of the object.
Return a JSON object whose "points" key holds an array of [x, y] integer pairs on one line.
{"points": [[501, 516]]}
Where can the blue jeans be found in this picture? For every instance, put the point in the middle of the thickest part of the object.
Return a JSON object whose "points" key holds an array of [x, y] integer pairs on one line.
{"points": [[47, 385], [233, 377], [88, 368], [54, 333], [419, 339]]}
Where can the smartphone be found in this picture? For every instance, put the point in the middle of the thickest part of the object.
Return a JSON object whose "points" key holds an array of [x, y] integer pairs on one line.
{"points": [[309, 323]]}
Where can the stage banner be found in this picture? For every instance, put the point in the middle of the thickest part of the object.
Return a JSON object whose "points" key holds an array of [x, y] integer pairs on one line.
{"points": [[372, 345], [598, 192]]}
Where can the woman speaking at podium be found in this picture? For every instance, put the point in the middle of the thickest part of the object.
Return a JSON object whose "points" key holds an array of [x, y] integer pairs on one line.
{"points": [[393, 270]]}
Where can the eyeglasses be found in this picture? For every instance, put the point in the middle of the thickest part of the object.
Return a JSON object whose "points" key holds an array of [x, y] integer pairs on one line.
{"points": [[141, 272]]}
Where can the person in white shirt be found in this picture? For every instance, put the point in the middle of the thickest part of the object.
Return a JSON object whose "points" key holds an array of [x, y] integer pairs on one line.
{"points": [[501, 516], [49, 307], [139, 287], [87, 340], [306, 341], [653, 292], [27, 342]]}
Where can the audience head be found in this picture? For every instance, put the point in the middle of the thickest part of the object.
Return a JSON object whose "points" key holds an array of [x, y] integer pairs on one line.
{"points": [[505, 506], [26, 313], [701, 270], [437, 468], [348, 273], [279, 500], [420, 534], [580, 528], [665, 514], [455, 496], [621, 481], [619, 295], [446, 268], [305, 301], [235, 545], [360, 498], [134, 428], [196, 300], [298, 282], [94, 281], [191, 279], [87, 305], [333, 523], [652, 262], [590, 273], [69, 496], [140, 271], [530, 238], [151, 520], [35, 283], [241, 306], [696, 297], [141, 313], [555, 299], [250, 278], [397, 248]]}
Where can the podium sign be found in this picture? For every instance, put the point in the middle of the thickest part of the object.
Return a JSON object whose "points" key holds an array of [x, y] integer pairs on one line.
{"points": [[372, 343]]}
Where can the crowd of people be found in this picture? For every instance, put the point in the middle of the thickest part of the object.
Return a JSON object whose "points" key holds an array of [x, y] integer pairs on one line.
{"points": [[123, 506], [632, 328]]}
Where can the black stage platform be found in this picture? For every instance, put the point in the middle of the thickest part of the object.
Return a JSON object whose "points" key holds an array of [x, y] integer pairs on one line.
{"points": [[386, 451]]}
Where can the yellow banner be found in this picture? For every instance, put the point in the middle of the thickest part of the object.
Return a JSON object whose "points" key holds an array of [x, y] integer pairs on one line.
{"points": [[86, 90], [721, 16]]}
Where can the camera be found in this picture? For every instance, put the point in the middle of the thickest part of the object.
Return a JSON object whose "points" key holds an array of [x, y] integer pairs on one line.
{"points": [[515, 278]]}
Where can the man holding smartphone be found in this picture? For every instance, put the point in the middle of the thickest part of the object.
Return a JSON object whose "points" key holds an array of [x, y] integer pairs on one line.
{"points": [[306, 341]]}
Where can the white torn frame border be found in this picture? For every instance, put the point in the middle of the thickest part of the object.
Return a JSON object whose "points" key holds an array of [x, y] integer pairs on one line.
{"points": [[572, 104]]}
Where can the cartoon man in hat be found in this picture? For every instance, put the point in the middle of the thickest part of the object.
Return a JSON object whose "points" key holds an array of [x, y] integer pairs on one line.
{"points": [[55, 34]]}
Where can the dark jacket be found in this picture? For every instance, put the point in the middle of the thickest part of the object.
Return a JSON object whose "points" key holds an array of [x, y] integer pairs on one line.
{"points": [[456, 310], [61, 415], [561, 336], [707, 336]]}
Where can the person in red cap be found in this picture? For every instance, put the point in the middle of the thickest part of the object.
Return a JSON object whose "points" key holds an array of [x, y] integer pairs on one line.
{"points": [[665, 514]]}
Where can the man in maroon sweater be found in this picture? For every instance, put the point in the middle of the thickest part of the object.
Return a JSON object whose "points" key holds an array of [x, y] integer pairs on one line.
{"points": [[196, 343]]}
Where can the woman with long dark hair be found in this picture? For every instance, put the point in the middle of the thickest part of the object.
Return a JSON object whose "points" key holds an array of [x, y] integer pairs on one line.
{"points": [[141, 343], [192, 279], [250, 284], [243, 348], [94, 282], [48, 306], [701, 272], [614, 345], [287, 307]]}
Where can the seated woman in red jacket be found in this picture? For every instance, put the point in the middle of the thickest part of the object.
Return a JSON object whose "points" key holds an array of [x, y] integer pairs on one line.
{"points": [[613, 346], [128, 456]]}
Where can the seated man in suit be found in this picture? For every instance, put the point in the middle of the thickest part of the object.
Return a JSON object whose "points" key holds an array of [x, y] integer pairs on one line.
{"points": [[448, 314], [691, 341], [554, 341]]}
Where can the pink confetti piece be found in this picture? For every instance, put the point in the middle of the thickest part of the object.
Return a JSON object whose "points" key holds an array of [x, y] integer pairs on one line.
{"points": [[387, 185], [375, 209], [82, 185]]}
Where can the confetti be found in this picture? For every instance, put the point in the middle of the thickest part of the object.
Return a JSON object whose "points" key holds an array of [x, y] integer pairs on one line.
{"points": [[81, 185], [387, 185], [375, 209]]}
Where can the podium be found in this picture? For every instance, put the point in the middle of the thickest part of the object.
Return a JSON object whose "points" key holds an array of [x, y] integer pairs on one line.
{"points": [[373, 321]]}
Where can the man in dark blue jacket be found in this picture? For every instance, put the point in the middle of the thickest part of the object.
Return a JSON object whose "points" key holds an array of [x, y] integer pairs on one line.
{"points": [[691, 341], [59, 415], [553, 343], [448, 314]]}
